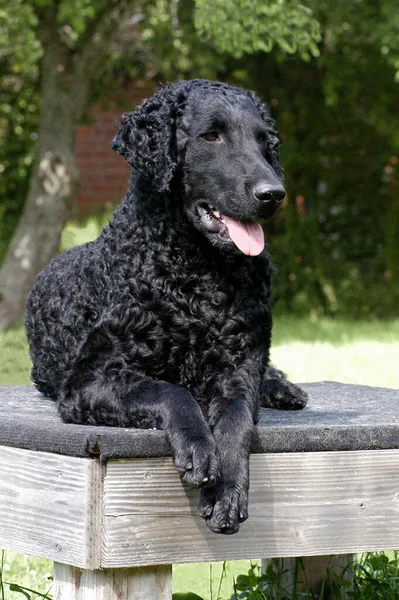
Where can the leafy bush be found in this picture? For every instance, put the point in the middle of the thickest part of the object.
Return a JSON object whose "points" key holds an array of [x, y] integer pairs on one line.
{"points": [[373, 576], [19, 110]]}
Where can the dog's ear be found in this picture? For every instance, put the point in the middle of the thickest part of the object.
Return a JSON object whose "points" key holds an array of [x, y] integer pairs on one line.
{"points": [[147, 136], [273, 141]]}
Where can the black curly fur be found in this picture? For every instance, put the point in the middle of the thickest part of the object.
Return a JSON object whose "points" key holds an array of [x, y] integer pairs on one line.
{"points": [[161, 322]]}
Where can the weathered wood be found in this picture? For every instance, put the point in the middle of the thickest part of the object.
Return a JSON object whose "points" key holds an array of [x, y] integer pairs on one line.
{"points": [[50, 506], [149, 583], [304, 504], [300, 505]]}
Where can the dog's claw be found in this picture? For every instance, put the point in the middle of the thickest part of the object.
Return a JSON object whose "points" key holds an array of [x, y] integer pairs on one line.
{"points": [[197, 461], [223, 508]]}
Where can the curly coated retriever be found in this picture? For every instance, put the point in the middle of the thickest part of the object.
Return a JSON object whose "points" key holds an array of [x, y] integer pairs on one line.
{"points": [[164, 320]]}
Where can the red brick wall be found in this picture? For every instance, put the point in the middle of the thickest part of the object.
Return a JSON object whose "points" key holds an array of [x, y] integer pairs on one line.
{"points": [[103, 174]]}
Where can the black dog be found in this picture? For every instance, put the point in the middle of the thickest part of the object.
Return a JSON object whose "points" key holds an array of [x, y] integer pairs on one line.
{"points": [[164, 320]]}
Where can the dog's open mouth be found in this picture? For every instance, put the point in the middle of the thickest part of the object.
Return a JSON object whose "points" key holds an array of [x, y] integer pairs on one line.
{"points": [[247, 236]]}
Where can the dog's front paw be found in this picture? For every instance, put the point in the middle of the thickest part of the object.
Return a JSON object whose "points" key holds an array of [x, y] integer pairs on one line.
{"points": [[224, 508], [282, 394], [196, 459]]}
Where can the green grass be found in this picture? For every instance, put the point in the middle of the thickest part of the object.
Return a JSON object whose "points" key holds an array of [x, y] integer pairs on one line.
{"points": [[288, 329], [209, 580], [15, 363], [308, 350], [27, 571], [365, 352]]}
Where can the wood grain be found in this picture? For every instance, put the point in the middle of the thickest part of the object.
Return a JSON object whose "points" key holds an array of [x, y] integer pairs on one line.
{"points": [[149, 583], [50, 506], [300, 505]]}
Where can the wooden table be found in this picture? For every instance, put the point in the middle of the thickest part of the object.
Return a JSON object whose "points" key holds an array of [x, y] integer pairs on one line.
{"points": [[106, 505]]}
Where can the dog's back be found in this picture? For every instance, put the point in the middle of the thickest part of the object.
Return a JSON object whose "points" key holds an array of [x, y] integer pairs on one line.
{"points": [[60, 310]]}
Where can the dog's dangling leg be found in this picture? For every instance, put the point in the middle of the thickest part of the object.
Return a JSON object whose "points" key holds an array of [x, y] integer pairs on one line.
{"points": [[145, 404], [225, 506]]}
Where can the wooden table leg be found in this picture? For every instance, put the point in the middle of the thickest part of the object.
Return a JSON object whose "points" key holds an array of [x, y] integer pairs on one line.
{"points": [[314, 573], [139, 583]]}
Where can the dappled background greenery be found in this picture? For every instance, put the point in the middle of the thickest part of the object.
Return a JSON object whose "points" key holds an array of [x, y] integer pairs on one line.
{"points": [[328, 69], [335, 98]]}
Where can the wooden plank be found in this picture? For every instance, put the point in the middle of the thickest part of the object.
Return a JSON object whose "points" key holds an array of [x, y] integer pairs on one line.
{"points": [[300, 505], [140, 583], [50, 506]]}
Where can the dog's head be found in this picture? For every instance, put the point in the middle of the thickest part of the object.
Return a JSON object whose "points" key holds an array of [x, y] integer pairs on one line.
{"points": [[221, 143]]}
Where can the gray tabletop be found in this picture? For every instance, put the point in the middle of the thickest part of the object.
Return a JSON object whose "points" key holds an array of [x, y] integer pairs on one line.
{"points": [[338, 417]]}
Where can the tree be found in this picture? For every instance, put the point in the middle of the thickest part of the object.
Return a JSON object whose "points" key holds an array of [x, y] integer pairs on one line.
{"points": [[18, 111], [73, 38]]}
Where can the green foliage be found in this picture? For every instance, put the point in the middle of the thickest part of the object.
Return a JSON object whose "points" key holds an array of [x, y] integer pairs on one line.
{"points": [[376, 577], [222, 30], [239, 27], [18, 53], [372, 576], [17, 147], [19, 110], [254, 585], [77, 14], [335, 246], [75, 17], [388, 34], [174, 46]]}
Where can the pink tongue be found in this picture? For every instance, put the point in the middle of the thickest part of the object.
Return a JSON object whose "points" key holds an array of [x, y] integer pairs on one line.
{"points": [[248, 237]]}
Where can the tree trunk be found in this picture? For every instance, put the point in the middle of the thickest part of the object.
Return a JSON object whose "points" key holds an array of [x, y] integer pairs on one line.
{"points": [[312, 577], [53, 180]]}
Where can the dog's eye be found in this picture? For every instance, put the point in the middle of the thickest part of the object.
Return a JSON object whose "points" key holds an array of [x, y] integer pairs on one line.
{"points": [[211, 136]]}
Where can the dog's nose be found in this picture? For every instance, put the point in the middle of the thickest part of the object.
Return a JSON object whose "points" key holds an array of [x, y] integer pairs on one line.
{"points": [[266, 192]]}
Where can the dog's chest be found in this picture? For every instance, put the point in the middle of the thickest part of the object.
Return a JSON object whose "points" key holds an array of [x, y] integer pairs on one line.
{"points": [[190, 325]]}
